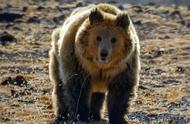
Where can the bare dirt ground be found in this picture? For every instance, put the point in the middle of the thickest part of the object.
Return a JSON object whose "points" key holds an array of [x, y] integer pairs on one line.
{"points": [[25, 30]]}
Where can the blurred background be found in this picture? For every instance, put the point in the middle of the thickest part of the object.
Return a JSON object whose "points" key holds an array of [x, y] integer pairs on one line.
{"points": [[166, 2]]}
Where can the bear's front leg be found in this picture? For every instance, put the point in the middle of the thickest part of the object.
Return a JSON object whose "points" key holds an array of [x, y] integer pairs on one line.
{"points": [[117, 105], [97, 100], [76, 97], [120, 90], [72, 99]]}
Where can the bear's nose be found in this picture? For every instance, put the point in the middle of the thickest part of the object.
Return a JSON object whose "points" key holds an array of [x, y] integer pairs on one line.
{"points": [[104, 53]]}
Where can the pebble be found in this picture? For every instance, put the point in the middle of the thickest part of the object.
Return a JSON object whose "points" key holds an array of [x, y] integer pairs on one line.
{"points": [[7, 38], [18, 81], [10, 16]]}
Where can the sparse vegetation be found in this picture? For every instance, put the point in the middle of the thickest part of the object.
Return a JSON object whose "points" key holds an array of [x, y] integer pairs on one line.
{"points": [[164, 90]]}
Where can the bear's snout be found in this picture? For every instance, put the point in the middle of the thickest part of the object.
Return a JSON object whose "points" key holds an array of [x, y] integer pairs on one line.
{"points": [[104, 54]]}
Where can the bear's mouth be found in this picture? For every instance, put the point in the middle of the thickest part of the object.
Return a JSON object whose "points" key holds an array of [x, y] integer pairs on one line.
{"points": [[103, 60]]}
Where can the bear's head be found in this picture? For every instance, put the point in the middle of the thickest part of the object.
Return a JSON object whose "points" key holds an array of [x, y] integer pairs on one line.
{"points": [[103, 39]]}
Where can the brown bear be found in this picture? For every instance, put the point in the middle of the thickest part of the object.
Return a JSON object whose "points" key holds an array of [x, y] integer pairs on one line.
{"points": [[95, 54]]}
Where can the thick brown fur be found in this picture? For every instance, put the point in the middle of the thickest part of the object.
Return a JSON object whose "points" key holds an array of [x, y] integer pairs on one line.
{"points": [[80, 77]]}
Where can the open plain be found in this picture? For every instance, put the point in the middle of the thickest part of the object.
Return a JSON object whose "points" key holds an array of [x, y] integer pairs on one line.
{"points": [[25, 88]]}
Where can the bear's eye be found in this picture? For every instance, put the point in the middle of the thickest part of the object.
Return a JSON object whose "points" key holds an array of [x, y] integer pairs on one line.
{"points": [[98, 38], [113, 40]]}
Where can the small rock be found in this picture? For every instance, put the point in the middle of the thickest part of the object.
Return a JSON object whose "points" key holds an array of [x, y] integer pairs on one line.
{"points": [[18, 80], [138, 9], [158, 53], [142, 87], [166, 37], [188, 25], [33, 19], [177, 15], [182, 22], [112, 1], [10, 16], [152, 114], [80, 4], [180, 69], [170, 81], [159, 71], [13, 93], [25, 8], [151, 4], [59, 18], [39, 8], [158, 85], [140, 102], [120, 7], [49, 106], [186, 99], [172, 106], [154, 54], [45, 91], [5, 119], [137, 22], [6, 38], [165, 13]]}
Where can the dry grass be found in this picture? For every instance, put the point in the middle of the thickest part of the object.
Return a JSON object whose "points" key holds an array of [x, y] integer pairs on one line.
{"points": [[165, 58]]}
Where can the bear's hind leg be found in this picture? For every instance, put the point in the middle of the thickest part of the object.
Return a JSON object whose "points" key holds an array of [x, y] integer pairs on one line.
{"points": [[60, 109]]}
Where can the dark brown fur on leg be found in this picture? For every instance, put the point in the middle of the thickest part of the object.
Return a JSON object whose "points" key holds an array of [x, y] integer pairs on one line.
{"points": [[58, 102], [70, 92], [74, 100], [76, 93], [120, 90], [97, 100], [79, 94]]}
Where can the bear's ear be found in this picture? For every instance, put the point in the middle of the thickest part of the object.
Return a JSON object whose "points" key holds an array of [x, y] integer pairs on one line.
{"points": [[95, 16], [122, 20]]}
